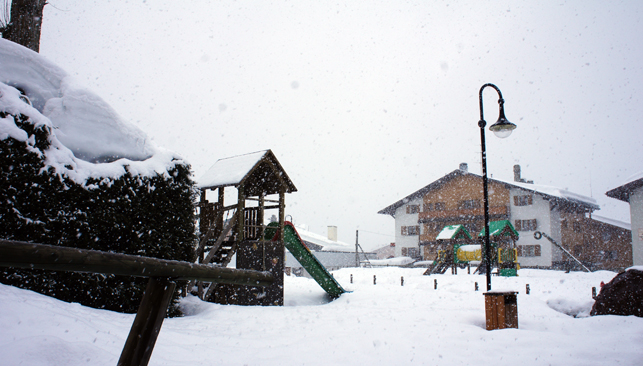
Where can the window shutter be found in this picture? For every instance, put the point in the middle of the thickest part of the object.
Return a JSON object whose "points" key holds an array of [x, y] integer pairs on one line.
{"points": [[530, 200], [516, 201], [519, 250], [408, 209], [518, 225], [535, 225], [537, 251], [404, 230]]}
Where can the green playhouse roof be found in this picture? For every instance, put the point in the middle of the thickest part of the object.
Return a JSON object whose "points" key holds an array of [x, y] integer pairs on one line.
{"points": [[500, 228], [453, 232]]}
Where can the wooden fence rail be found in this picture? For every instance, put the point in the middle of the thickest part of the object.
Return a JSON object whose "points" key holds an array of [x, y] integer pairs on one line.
{"points": [[158, 294]]}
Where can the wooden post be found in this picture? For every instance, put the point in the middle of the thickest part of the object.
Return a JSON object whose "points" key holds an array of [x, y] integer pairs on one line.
{"points": [[527, 289], [147, 324], [241, 206], [351, 278], [476, 286], [435, 284], [402, 281], [374, 280]]}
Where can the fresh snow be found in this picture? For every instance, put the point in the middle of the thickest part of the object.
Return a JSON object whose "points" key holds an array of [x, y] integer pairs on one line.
{"points": [[85, 129], [230, 171], [383, 324]]}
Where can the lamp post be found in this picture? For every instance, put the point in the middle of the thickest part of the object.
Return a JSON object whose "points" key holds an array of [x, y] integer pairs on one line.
{"points": [[502, 128]]}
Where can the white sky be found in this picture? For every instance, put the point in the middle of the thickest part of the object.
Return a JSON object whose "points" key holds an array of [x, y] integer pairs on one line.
{"points": [[365, 102]]}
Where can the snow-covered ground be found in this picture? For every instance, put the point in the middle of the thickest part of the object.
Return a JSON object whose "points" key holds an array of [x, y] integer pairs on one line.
{"points": [[382, 324]]}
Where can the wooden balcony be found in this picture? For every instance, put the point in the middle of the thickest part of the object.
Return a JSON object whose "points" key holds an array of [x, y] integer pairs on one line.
{"points": [[495, 212]]}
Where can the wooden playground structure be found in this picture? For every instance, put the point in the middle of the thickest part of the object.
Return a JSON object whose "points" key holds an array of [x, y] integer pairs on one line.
{"points": [[238, 228]]}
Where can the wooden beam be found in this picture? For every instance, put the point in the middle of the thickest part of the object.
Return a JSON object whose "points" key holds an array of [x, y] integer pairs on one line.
{"points": [[56, 258], [147, 324]]}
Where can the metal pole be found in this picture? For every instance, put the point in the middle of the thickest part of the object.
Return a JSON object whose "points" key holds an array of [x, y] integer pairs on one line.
{"points": [[485, 184], [356, 250]]}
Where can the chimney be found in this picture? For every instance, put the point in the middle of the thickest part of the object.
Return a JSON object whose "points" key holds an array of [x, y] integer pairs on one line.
{"points": [[332, 233], [464, 167], [517, 173]]}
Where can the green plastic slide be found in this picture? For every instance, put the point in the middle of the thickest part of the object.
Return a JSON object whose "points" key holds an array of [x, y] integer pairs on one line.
{"points": [[297, 248]]}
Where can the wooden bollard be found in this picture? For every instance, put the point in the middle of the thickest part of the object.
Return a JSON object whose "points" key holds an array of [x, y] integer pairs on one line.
{"points": [[527, 289], [435, 284], [402, 281], [374, 280], [476, 286]]}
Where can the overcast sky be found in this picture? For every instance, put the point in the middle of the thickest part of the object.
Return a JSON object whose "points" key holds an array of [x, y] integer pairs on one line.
{"points": [[366, 102]]}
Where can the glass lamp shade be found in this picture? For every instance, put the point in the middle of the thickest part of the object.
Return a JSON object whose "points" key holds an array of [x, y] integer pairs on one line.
{"points": [[502, 128]]}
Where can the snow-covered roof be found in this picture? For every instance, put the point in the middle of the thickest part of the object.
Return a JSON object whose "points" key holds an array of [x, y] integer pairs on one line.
{"points": [[324, 242], [88, 139], [230, 171], [261, 169], [547, 191], [623, 191], [555, 192], [453, 232], [618, 223]]}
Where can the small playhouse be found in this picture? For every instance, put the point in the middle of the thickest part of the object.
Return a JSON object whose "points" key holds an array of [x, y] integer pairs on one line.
{"points": [[457, 248], [229, 228]]}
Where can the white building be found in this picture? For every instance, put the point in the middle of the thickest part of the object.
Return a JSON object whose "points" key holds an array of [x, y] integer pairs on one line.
{"points": [[632, 192]]}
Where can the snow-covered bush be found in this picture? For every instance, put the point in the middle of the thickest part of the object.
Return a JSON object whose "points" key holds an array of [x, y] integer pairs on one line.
{"points": [[117, 193]]}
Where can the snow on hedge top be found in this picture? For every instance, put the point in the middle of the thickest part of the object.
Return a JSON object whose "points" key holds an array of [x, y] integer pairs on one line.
{"points": [[230, 171], [85, 123], [85, 129]]}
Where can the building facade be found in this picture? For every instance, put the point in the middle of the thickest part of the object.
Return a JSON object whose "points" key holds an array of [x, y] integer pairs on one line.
{"points": [[457, 198], [632, 192]]}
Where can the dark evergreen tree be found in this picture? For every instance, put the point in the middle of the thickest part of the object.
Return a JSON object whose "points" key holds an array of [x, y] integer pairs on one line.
{"points": [[149, 216]]}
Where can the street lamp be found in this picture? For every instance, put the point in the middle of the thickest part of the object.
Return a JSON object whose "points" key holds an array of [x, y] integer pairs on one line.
{"points": [[502, 128]]}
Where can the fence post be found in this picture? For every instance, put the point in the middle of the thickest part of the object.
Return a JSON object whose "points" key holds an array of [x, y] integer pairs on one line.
{"points": [[527, 289], [435, 284], [594, 293], [374, 280], [351, 278], [147, 324], [476, 286], [402, 281]]}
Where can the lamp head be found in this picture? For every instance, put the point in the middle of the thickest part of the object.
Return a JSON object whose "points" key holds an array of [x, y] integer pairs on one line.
{"points": [[502, 128]]}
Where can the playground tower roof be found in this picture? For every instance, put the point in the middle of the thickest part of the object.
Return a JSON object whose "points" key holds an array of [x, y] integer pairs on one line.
{"points": [[259, 172]]}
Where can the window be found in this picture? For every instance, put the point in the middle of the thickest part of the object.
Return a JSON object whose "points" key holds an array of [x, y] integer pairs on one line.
{"points": [[524, 200], [410, 230], [577, 227], [469, 204], [526, 225], [438, 206], [410, 252], [412, 209], [529, 250]]}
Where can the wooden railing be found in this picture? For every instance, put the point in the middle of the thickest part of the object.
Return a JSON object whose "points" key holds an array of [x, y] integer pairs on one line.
{"points": [[158, 294], [457, 214]]}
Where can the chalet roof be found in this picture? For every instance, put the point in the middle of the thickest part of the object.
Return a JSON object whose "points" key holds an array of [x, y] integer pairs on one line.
{"points": [[550, 193], [623, 191], [500, 228], [259, 172], [451, 232]]}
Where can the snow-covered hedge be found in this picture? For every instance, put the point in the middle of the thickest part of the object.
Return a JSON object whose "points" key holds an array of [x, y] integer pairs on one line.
{"points": [[135, 203]]}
